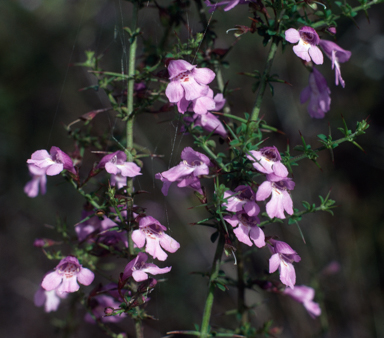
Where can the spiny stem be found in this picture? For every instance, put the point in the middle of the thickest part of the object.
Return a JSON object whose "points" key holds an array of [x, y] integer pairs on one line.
{"points": [[209, 302], [337, 142], [131, 117], [264, 80], [129, 131], [356, 9]]}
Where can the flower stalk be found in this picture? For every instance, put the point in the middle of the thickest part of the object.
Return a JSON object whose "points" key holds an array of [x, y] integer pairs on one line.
{"points": [[204, 333]]}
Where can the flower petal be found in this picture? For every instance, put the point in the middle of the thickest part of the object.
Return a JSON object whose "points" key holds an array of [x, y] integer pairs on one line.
{"points": [[51, 281], [85, 276], [174, 91]]}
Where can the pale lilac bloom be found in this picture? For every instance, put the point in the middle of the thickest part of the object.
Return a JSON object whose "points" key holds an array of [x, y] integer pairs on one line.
{"points": [[229, 4], [281, 199], [308, 40], [38, 181], [202, 104], [106, 299], [282, 258], [53, 162], [99, 304], [116, 164], [98, 229], [318, 94], [267, 160], [50, 299], [304, 294], [219, 101], [337, 55], [118, 181], [187, 81], [243, 198], [66, 275], [247, 229], [193, 164], [211, 124], [151, 231], [139, 269]]}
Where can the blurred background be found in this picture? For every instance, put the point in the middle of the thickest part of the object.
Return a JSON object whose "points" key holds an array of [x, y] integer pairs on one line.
{"points": [[39, 93]]}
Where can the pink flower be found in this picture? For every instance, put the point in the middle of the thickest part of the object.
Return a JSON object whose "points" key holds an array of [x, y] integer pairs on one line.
{"points": [[116, 164], [151, 231], [282, 258], [337, 55], [308, 40], [187, 81], [281, 199], [304, 294], [99, 230], [317, 92], [193, 164], [66, 275], [53, 163], [267, 160], [50, 299], [243, 198], [202, 104], [210, 123], [103, 301], [139, 269], [118, 181], [247, 228], [39, 180]]}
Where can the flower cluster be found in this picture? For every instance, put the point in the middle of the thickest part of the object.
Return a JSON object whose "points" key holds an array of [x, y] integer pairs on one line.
{"points": [[187, 172], [66, 275], [268, 161], [190, 91], [43, 163], [317, 91], [116, 164]]}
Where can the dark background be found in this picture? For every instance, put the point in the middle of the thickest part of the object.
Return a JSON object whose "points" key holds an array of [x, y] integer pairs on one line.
{"points": [[40, 40]]}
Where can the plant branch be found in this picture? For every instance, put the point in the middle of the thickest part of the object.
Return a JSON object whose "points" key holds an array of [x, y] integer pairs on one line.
{"points": [[212, 285]]}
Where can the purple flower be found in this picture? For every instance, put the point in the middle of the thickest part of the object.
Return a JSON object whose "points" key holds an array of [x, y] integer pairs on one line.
{"points": [[39, 180], [281, 199], [336, 54], [116, 164], [53, 163], [139, 269], [96, 229], [106, 300], [247, 228], [243, 198], [317, 92], [98, 305], [118, 181], [187, 81], [229, 4], [282, 257], [308, 40], [50, 299], [210, 123], [219, 101], [66, 275], [151, 231], [268, 161], [202, 104], [304, 294], [193, 164]]}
